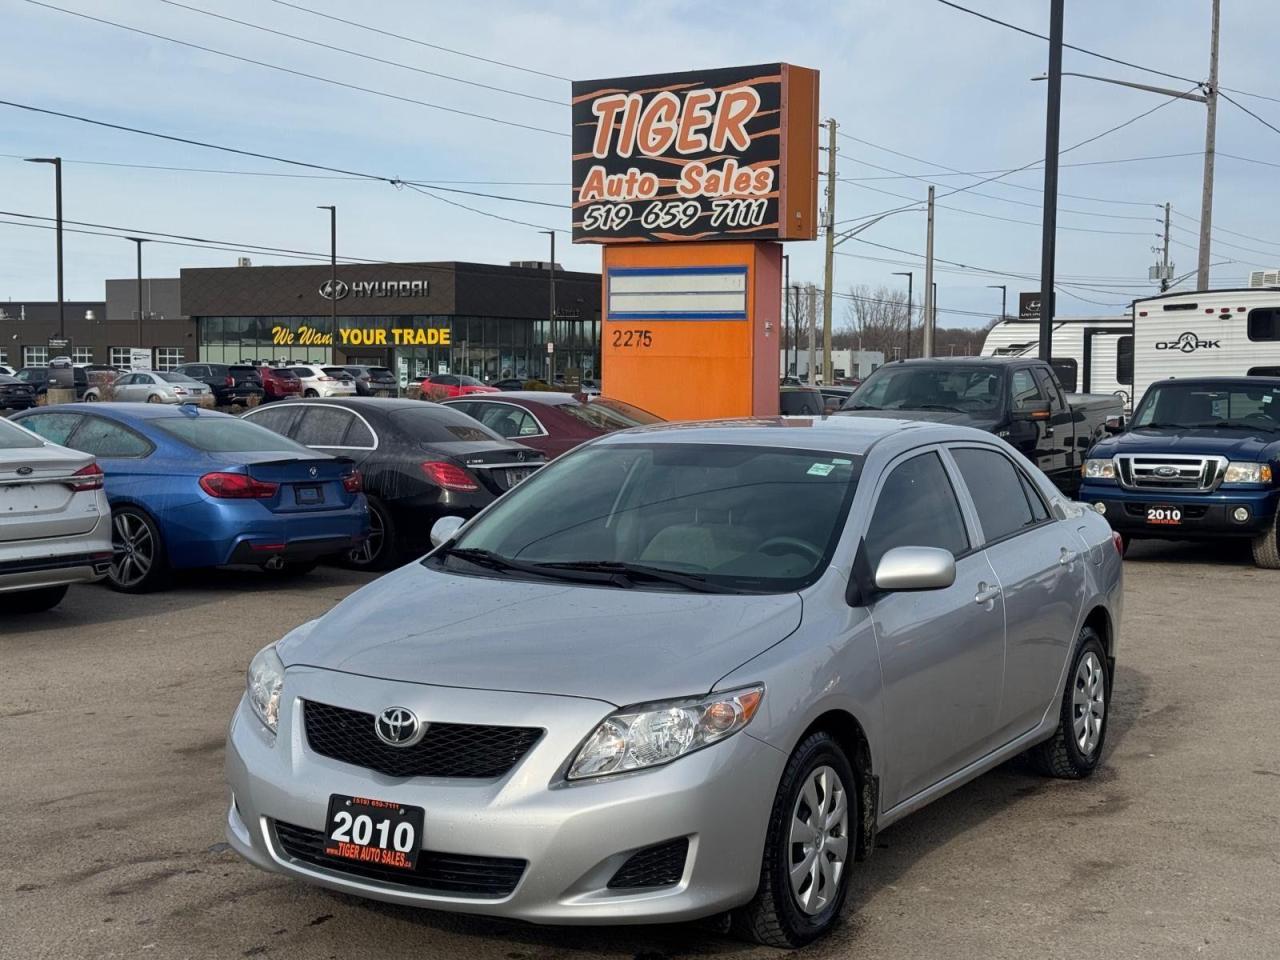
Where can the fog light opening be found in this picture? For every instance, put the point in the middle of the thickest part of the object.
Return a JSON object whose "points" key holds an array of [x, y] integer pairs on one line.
{"points": [[1240, 514], [1100, 507]]}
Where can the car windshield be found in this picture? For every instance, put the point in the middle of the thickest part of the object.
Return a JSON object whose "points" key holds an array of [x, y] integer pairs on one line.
{"points": [[11, 438], [1221, 405], [608, 415], [227, 435], [711, 515], [439, 424], [973, 390], [172, 376]]}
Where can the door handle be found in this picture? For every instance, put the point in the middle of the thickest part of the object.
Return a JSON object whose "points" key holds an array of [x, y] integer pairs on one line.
{"points": [[986, 594], [1066, 556]]}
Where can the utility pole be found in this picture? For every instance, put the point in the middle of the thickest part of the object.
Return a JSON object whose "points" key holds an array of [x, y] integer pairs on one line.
{"points": [[795, 322], [139, 241], [927, 319], [813, 333], [828, 281], [1165, 273], [551, 312], [1049, 220], [333, 280], [786, 316], [1210, 139], [1004, 297]]}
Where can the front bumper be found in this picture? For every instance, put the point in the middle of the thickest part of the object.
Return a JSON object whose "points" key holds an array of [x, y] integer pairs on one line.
{"points": [[1204, 515], [574, 837]]}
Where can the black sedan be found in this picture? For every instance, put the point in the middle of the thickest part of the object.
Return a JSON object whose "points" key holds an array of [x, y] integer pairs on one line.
{"points": [[15, 394], [420, 461]]}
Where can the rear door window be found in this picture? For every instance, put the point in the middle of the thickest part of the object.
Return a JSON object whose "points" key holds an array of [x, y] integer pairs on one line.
{"points": [[998, 492], [277, 419], [507, 420], [103, 438], [917, 508], [323, 426], [1050, 390]]}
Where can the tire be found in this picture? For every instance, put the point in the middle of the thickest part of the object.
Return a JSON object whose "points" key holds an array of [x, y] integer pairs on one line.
{"points": [[33, 601], [1075, 748], [154, 398], [778, 915], [310, 393], [90, 398], [1266, 549], [141, 563], [380, 551]]}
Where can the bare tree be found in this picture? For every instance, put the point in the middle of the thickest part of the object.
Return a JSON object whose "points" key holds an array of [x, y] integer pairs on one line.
{"points": [[877, 319]]}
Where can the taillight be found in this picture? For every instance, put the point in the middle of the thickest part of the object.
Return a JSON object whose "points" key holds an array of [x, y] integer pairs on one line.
{"points": [[1118, 540], [325, 379], [449, 476], [237, 486], [92, 478], [231, 382], [352, 482]]}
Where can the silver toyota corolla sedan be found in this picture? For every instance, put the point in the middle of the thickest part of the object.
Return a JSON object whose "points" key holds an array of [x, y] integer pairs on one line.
{"points": [[685, 669]]}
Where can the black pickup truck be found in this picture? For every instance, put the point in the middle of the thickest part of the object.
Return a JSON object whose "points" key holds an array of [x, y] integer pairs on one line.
{"points": [[1019, 399]]}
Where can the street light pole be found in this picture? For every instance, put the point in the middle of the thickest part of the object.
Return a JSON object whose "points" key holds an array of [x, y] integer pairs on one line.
{"points": [[57, 188], [139, 241], [910, 279], [333, 279], [1049, 220], [551, 310], [1004, 297]]}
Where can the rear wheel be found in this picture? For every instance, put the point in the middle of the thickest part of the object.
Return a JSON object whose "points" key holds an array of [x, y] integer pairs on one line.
{"points": [[154, 398], [380, 550], [140, 564], [1266, 548], [33, 601], [310, 393], [1075, 748], [808, 849], [90, 397]]}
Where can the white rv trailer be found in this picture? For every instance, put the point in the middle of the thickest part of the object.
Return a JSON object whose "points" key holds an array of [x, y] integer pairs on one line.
{"points": [[1090, 354], [1214, 333]]}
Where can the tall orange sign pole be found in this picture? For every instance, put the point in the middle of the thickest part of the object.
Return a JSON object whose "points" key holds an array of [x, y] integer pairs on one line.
{"points": [[689, 181]]}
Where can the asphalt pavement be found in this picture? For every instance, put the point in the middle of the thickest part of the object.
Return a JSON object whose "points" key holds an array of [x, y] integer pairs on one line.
{"points": [[113, 711]]}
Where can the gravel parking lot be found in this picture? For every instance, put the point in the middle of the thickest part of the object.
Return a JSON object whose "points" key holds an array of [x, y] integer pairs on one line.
{"points": [[113, 711]]}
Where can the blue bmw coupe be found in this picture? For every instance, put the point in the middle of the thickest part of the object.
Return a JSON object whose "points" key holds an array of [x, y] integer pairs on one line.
{"points": [[194, 488]]}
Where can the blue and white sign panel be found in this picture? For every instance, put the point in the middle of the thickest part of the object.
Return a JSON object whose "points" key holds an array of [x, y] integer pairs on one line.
{"points": [[677, 293]]}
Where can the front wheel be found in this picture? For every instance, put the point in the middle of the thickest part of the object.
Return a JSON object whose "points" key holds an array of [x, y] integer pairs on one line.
{"points": [[1266, 545], [808, 849], [1073, 752], [310, 393], [90, 397]]}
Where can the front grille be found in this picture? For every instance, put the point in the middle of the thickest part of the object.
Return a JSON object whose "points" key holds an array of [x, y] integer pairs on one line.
{"points": [[661, 865], [438, 872], [446, 750], [1168, 472]]}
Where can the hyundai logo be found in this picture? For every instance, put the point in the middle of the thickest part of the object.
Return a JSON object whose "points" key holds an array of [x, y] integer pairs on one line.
{"points": [[334, 289], [399, 727]]}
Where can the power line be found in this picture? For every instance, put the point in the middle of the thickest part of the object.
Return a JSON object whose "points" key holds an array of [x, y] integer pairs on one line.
{"points": [[246, 153], [299, 73], [363, 56], [1234, 233], [421, 43], [1249, 263], [455, 203], [1238, 105], [1226, 243]]}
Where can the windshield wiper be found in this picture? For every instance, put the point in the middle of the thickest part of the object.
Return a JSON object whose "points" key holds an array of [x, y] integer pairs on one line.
{"points": [[1230, 425], [641, 571], [935, 406], [861, 406], [494, 561]]}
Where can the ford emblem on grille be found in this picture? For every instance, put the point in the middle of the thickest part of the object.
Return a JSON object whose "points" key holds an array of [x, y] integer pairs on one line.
{"points": [[25, 471], [1166, 471], [399, 727]]}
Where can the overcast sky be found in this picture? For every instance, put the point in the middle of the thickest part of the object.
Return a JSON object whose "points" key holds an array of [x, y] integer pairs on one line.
{"points": [[912, 76]]}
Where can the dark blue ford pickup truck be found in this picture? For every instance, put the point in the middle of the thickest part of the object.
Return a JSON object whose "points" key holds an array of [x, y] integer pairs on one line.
{"points": [[1200, 460]]}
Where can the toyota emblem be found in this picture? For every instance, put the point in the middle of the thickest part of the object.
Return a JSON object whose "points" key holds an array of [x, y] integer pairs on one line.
{"points": [[334, 289], [399, 727]]}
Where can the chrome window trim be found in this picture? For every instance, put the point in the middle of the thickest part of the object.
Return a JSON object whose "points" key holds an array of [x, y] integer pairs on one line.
{"points": [[293, 405], [475, 398]]}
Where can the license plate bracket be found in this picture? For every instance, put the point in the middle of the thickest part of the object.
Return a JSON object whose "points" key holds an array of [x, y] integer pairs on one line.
{"points": [[517, 475], [375, 833], [1164, 515], [309, 495]]}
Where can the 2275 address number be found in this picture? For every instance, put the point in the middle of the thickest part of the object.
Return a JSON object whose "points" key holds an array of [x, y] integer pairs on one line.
{"points": [[633, 338]]}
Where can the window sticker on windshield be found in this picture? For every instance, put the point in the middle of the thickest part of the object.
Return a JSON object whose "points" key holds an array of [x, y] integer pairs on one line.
{"points": [[821, 469], [838, 461], [1267, 398]]}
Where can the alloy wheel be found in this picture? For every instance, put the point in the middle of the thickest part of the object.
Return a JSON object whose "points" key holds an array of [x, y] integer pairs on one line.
{"points": [[368, 551], [135, 549], [1089, 703], [819, 840]]}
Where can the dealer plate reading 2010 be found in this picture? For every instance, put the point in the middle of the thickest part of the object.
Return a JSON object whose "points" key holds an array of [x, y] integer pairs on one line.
{"points": [[1164, 516], [375, 832]]}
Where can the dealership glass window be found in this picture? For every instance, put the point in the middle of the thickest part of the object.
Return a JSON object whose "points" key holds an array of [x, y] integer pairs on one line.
{"points": [[82, 355], [35, 356], [4, 356], [1264, 324], [118, 357], [168, 357]]}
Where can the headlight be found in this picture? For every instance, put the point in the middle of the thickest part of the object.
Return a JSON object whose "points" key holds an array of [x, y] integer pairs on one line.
{"points": [[656, 733], [263, 682], [1247, 473], [1099, 470]]}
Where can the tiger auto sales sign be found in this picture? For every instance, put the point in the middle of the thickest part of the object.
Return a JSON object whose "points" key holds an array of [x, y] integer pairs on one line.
{"points": [[728, 154]]}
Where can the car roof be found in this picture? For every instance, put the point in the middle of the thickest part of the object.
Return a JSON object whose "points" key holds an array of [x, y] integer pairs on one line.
{"points": [[840, 434], [1229, 381], [363, 404], [136, 411], [554, 398], [989, 361]]}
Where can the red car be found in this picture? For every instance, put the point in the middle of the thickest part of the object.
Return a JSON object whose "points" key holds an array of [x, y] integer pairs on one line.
{"points": [[279, 383], [444, 385], [551, 422]]}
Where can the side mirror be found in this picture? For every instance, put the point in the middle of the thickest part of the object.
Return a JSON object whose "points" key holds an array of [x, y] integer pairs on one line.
{"points": [[915, 568], [444, 529], [1114, 425], [1032, 410]]}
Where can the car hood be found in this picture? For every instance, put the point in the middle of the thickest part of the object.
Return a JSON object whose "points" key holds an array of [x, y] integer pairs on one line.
{"points": [[932, 416], [623, 646], [1232, 444]]}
